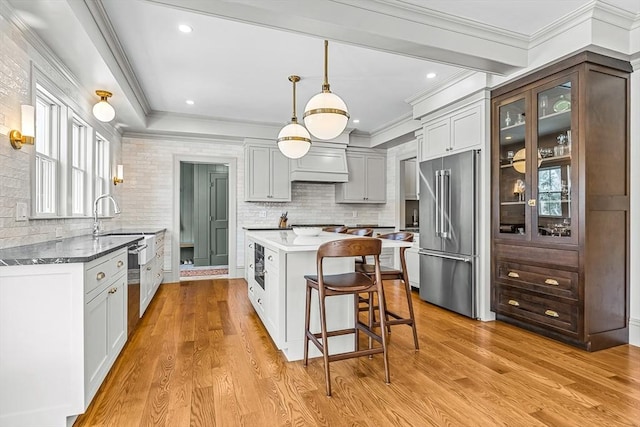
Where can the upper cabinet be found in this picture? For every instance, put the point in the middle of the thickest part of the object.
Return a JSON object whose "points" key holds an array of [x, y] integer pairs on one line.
{"points": [[560, 195], [267, 174], [367, 178], [410, 180], [456, 131]]}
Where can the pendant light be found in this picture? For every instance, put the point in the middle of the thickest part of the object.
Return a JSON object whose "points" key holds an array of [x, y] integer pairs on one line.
{"points": [[293, 140], [103, 111], [326, 115]]}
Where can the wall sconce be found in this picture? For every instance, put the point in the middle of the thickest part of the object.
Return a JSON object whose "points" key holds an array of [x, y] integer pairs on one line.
{"points": [[103, 111], [28, 133], [119, 176]]}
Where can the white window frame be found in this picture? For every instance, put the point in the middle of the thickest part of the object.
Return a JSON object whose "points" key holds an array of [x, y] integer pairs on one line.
{"points": [[102, 176], [80, 167], [49, 131]]}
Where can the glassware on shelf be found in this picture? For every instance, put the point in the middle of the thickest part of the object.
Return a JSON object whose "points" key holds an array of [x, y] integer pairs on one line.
{"points": [[507, 120], [520, 119], [544, 104]]}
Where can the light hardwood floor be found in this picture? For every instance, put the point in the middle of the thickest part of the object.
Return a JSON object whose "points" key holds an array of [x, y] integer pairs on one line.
{"points": [[201, 357]]}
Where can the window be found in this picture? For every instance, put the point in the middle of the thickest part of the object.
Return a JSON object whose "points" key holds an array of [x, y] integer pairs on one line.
{"points": [[48, 120], [72, 163], [102, 162], [550, 191], [79, 149]]}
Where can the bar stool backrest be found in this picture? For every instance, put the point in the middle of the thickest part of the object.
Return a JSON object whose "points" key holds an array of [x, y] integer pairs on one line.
{"points": [[365, 232], [337, 229]]}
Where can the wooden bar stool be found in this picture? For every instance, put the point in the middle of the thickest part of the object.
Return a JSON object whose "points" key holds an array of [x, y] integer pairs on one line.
{"points": [[353, 283], [388, 273], [336, 229]]}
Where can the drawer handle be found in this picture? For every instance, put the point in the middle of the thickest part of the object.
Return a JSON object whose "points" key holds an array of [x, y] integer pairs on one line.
{"points": [[250, 265], [552, 313], [260, 301], [251, 245], [148, 268], [270, 258], [158, 274], [553, 282], [119, 264], [513, 274], [514, 303], [100, 276], [250, 288], [113, 290]]}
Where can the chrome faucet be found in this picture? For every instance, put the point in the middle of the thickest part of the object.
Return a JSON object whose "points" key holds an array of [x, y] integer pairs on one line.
{"points": [[116, 210]]}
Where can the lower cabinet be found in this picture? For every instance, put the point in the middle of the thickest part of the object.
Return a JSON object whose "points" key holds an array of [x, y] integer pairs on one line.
{"points": [[105, 332]]}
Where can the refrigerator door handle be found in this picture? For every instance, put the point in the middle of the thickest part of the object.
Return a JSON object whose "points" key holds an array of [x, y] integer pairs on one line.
{"points": [[446, 204], [455, 258], [437, 202]]}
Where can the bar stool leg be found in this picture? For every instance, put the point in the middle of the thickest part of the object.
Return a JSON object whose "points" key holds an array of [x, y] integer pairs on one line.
{"points": [[307, 315], [407, 288], [383, 325], [325, 343], [356, 319]]}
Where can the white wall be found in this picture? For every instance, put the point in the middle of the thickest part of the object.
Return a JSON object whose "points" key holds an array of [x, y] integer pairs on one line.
{"points": [[147, 198], [15, 165]]}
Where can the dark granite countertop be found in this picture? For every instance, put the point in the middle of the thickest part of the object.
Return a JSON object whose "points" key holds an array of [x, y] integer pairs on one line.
{"points": [[65, 251], [411, 229]]}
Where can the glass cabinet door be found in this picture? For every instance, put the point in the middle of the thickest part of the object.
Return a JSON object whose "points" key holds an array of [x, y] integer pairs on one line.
{"points": [[512, 171], [553, 176]]}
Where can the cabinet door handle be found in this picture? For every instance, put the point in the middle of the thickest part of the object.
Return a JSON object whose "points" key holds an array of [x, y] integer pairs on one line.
{"points": [[251, 245], [270, 258], [260, 301], [250, 265], [514, 303], [250, 288], [113, 290], [119, 264], [552, 313], [513, 274], [148, 268], [100, 276], [553, 282]]}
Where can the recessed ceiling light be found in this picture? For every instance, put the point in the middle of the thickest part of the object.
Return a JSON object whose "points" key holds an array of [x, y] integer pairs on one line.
{"points": [[189, 102], [431, 75], [356, 121], [185, 28]]}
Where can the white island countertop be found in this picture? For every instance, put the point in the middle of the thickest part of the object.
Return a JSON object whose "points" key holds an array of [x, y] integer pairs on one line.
{"points": [[288, 241]]}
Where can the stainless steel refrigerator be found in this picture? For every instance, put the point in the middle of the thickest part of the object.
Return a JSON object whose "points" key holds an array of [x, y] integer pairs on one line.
{"points": [[448, 242]]}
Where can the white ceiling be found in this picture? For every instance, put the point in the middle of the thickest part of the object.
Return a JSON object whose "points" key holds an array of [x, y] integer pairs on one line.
{"points": [[235, 70]]}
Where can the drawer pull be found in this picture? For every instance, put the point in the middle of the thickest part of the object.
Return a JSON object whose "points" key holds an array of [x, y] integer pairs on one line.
{"points": [[119, 264], [270, 258], [113, 290], [250, 265], [148, 268], [250, 288], [514, 303], [552, 313], [553, 282], [251, 245], [260, 301], [513, 274], [100, 276]]}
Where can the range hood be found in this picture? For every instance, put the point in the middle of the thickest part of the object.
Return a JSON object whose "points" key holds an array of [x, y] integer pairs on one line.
{"points": [[325, 162]]}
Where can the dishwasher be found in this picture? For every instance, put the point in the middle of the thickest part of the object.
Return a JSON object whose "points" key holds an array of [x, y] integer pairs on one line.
{"points": [[139, 254]]}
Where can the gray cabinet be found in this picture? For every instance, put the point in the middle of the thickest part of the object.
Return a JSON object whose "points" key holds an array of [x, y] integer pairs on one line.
{"points": [[267, 174], [456, 131], [367, 178], [410, 180]]}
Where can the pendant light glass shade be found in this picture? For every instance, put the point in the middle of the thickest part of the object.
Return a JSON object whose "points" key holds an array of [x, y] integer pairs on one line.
{"points": [[293, 140], [326, 115], [103, 111]]}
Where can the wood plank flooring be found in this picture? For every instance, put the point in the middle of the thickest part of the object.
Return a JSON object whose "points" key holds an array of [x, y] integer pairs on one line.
{"points": [[201, 357]]}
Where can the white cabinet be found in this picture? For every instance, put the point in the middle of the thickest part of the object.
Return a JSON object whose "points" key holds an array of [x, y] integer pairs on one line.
{"points": [[367, 178], [105, 330], [410, 180], [152, 273], [456, 131], [267, 174], [413, 262]]}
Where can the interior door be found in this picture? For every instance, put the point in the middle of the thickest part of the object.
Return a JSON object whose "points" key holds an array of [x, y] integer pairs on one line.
{"points": [[219, 214]]}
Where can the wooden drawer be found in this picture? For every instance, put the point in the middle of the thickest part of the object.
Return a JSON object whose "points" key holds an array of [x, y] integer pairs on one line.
{"points": [[537, 308], [546, 280], [566, 259], [105, 270]]}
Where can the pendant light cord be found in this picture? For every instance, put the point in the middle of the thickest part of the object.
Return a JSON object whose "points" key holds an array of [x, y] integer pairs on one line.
{"points": [[325, 86]]}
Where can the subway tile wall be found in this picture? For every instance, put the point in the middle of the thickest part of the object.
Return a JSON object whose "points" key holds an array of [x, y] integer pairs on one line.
{"points": [[147, 199], [15, 165]]}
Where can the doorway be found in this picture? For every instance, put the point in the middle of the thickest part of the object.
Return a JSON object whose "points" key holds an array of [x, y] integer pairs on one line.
{"points": [[204, 244], [204, 220]]}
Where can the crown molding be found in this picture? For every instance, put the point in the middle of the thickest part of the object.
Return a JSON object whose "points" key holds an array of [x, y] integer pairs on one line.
{"points": [[182, 137], [453, 80], [106, 29], [38, 44]]}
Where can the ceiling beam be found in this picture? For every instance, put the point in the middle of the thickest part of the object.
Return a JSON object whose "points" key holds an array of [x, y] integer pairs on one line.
{"points": [[384, 25]]}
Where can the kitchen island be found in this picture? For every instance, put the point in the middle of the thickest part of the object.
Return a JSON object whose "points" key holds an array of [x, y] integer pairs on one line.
{"points": [[280, 299]]}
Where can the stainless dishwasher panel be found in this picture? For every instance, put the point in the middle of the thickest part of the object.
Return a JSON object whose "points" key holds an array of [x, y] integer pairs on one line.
{"points": [[447, 280]]}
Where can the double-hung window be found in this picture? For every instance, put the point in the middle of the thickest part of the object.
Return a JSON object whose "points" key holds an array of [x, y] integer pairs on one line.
{"points": [[79, 166], [102, 169], [47, 159]]}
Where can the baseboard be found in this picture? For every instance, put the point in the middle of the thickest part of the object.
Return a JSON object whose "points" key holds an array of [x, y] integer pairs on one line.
{"points": [[634, 332], [238, 274]]}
